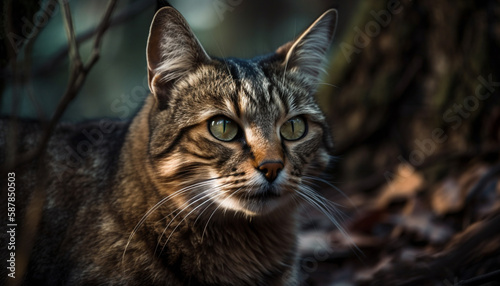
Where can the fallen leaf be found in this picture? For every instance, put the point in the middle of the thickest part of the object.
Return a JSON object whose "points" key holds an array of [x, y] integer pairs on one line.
{"points": [[403, 185]]}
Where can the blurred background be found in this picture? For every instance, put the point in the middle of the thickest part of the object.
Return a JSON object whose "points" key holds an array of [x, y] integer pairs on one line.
{"points": [[412, 94]]}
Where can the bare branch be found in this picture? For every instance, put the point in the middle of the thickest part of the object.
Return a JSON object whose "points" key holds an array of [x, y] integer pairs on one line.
{"points": [[78, 75], [130, 12], [70, 33], [21, 77]]}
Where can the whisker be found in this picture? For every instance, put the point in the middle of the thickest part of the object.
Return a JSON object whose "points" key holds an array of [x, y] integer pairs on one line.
{"points": [[313, 186], [166, 216], [158, 205], [328, 84], [224, 59], [287, 59], [306, 196], [327, 204], [187, 204], [209, 218], [173, 231], [313, 201], [200, 214], [309, 178], [184, 206]]}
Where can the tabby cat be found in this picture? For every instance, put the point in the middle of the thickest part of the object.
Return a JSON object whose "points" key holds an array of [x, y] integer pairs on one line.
{"points": [[202, 187]]}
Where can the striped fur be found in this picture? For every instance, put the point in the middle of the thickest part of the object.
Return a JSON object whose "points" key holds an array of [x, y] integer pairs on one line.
{"points": [[175, 205], [260, 95]]}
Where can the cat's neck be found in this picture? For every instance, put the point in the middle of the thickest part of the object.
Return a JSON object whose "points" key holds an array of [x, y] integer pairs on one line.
{"points": [[136, 185]]}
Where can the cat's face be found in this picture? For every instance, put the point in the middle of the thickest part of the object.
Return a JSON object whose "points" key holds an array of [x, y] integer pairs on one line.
{"points": [[235, 134]]}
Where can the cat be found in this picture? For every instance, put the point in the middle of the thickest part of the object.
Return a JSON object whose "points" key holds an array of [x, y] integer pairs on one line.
{"points": [[202, 187]]}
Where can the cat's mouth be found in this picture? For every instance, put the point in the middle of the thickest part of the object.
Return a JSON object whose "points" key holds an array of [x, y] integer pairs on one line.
{"points": [[258, 200], [268, 194], [265, 200]]}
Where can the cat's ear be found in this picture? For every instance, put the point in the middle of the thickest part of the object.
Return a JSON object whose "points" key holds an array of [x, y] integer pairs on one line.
{"points": [[307, 53], [172, 52]]}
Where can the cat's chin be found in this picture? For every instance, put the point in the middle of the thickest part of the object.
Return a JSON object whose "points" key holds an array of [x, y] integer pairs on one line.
{"points": [[259, 204]]}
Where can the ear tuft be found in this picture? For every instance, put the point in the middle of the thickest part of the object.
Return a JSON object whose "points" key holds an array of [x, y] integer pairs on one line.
{"points": [[308, 52], [172, 52]]}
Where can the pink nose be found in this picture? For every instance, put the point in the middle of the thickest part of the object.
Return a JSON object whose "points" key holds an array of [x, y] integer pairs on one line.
{"points": [[271, 169]]}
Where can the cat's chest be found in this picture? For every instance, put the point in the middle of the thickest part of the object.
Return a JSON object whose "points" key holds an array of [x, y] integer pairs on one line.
{"points": [[235, 254]]}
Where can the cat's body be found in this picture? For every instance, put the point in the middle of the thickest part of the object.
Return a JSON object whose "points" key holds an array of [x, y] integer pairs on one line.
{"points": [[201, 188], [84, 230]]}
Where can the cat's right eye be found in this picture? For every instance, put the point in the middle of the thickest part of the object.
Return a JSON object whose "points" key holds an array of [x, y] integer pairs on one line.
{"points": [[294, 129], [223, 128]]}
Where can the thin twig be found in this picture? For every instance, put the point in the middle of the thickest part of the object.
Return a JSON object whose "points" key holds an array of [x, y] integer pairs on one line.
{"points": [[29, 44], [130, 12], [78, 75], [21, 80], [74, 54]]}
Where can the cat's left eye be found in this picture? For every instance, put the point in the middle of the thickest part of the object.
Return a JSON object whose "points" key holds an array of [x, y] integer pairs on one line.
{"points": [[294, 129], [223, 128]]}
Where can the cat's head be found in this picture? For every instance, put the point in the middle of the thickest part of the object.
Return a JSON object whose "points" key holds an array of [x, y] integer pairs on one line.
{"points": [[236, 134]]}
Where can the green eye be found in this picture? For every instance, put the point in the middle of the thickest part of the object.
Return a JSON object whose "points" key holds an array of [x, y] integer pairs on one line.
{"points": [[223, 128], [294, 129]]}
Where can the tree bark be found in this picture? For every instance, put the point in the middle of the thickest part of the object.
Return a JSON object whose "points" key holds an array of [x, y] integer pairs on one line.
{"points": [[414, 80]]}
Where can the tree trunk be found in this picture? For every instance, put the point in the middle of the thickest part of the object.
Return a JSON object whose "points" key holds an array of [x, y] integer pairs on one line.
{"points": [[416, 82]]}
